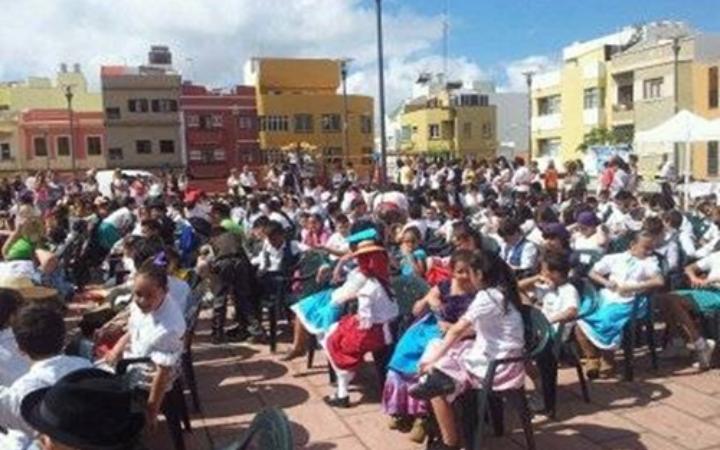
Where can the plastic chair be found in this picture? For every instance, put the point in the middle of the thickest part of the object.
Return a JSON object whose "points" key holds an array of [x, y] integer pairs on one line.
{"points": [[620, 243], [640, 316], [488, 401], [270, 429], [582, 261], [173, 405]]}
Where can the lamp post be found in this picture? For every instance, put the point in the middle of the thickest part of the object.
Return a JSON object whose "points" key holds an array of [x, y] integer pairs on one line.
{"points": [[381, 94], [71, 118], [346, 137], [528, 79]]}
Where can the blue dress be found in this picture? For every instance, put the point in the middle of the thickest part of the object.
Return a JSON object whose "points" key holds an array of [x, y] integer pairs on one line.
{"points": [[605, 325]]}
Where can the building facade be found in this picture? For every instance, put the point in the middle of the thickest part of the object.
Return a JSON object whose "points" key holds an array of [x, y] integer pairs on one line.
{"points": [[299, 107], [41, 104], [449, 122], [626, 83], [47, 140], [142, 117], [220, 130]]}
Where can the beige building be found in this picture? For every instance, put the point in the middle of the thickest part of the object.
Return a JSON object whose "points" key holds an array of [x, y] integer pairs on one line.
{"points": [[447, 120], [141, 113], [625, 82]]}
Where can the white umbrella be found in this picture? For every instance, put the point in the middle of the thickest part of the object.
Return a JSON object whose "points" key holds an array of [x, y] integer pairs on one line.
{"points": [[684, 127]]}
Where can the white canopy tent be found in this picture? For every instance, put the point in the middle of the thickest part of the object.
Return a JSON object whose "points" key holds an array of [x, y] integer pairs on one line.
{"points": [[684, 127]]}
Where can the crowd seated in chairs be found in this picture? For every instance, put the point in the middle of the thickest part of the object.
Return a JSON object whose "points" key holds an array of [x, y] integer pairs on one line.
{"points": [[461, 283]]}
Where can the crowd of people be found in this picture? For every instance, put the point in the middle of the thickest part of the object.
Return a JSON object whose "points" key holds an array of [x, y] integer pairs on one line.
{"points": [[484, 238]]}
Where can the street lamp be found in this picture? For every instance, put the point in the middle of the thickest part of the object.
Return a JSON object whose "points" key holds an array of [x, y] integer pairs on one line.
{"points": [[346, 138], [71, 117], [381, 93], [529, 79]]}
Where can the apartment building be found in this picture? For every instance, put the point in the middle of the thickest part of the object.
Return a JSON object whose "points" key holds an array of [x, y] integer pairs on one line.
{"points": [[220, 129], [142, 117], [625, 82], [37, 108], [300, 107], [446, 120]]}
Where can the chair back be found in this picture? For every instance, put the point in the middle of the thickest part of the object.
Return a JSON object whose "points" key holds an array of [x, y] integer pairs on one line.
{"points": [[408, 289], [582, 261], [270, 429], [305, 274], [538, 331]]}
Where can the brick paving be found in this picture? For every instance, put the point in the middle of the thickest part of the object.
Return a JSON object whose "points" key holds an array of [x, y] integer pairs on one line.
{"points": [[675, 408]]}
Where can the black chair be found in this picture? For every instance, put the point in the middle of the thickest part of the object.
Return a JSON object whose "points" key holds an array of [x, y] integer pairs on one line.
{"points": [[173, 405], [490, 402], [641, 319], [270, 430]]}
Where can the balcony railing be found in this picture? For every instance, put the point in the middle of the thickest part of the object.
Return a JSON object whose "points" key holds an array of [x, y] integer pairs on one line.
{"points": [[624, 106]]}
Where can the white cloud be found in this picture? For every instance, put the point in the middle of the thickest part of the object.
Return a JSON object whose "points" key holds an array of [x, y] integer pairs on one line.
{"points": [[513, 72]]}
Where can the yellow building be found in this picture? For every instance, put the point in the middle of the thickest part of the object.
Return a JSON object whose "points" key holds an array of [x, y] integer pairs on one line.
{"points": [[454, 123], [38, 93], [299, 106], [625, 82]]}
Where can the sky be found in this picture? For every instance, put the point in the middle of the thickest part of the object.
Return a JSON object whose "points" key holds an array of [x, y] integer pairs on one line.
{"points": [[211, 39]]}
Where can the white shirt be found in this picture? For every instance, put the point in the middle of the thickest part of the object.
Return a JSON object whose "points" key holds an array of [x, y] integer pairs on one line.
{"points": [[498, 333], [623, 268], [270, 258], [557, 301], [374, 304], [179, 292], [247, 179], [582, 242], [121, 218], [620, 181], [13, 364], [711, 265], [618, 222], [528, 254], [338, 243], [279, 218], [667, 171], [157, 335], [397, 198], [41, 375], [522, 176]]}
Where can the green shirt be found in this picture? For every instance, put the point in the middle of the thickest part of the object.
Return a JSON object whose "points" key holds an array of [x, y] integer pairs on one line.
{"points": [[232, 227], [22, 249]]}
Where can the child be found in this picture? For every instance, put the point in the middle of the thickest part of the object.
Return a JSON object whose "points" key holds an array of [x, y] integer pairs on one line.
{"points": [[455, 364], [12, 363], [369, 329], [623, 276], [679, 307], [439, 309], [413, 257], [519, 253]]}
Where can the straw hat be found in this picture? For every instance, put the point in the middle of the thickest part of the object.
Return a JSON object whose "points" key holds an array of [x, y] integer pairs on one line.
{"points": [[25, 287], [368, 247]]}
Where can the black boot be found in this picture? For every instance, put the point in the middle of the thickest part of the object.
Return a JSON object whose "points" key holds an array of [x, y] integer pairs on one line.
{"points": [[432, 385]]}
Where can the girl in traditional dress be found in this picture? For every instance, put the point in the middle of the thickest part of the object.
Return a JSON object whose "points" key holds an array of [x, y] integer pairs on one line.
{"points": [[436, 312], [456, 364], [623, 276], [366, 331]]}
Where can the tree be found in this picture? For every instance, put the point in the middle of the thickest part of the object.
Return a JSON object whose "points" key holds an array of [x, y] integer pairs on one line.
{"points": [[598, 136]]}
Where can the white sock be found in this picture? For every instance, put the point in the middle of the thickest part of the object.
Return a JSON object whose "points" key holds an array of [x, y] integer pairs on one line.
{"points": [[343, 383], [700, 344]]}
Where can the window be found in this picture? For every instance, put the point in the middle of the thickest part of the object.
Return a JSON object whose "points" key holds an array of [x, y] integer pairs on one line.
{"points": [[192, 120], [94, 145], [167, 146], [652, 88], [112, 113], [5, 154], [487, 130], [303, 123], [205, 122], [625, 97], [713, 82], [143, 147], [63, 145], [549, 147], [245, 122], [115, 153], [366, 124], [219, 154], [139, 105], [273, 123], [40, 146], [406, 132], [367, 158], [217, 121], [164, 105], [549, 105], [433, 131], [331, 123], [712, 159], [593, 98], [467, 130], [470, 100]]}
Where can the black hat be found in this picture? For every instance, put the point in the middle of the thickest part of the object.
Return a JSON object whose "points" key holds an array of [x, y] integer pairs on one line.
{"points": [[89, 409]]}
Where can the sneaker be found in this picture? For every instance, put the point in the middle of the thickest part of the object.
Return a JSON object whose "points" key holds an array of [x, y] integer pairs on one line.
{"points": [[704, 356], [337, 402], [432, 385], [394, 422], [676, 349], [418, 433]]}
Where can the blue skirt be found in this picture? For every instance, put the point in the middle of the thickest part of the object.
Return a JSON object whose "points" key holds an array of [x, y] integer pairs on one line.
{"points": [[604, 327], [706, 300], [412, 345], [316, 312]]}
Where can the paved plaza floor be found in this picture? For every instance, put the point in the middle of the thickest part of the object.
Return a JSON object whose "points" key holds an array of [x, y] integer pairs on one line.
{"points": [[675, 408]]}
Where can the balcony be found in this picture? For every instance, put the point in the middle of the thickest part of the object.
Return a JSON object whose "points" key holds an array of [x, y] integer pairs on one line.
{"points": [[547, 122], [593, 117], [623, 113]]}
